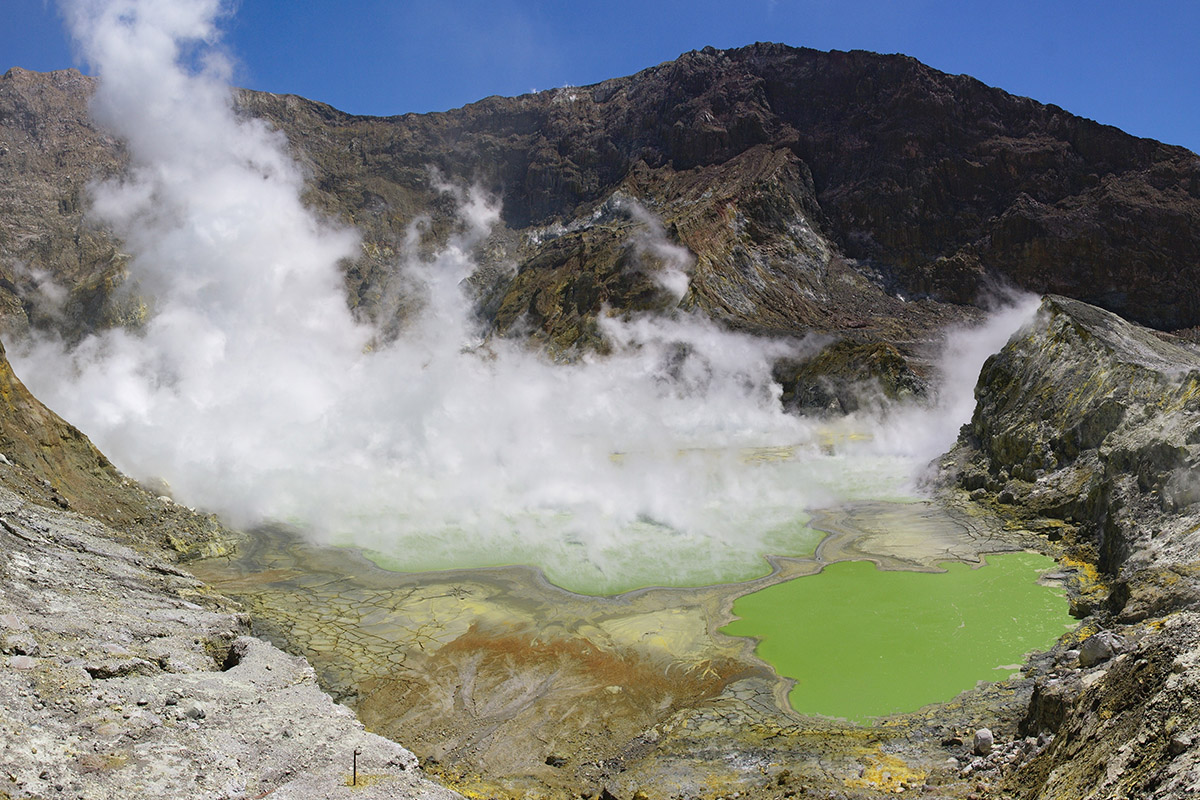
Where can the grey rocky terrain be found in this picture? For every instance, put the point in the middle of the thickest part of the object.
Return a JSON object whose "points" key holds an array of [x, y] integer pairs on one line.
{"points": [[123, 676], [1087, 431]]}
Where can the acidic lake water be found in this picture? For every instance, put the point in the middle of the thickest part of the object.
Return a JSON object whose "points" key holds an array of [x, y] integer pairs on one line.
{"points": [[860, 642], [502, 669]]}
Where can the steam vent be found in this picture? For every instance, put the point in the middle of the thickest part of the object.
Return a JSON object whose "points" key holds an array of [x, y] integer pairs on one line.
{"points": [[769, 423]]}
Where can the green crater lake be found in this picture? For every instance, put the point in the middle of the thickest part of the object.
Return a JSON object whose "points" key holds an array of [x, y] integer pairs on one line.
{"points": [[862, 642]]}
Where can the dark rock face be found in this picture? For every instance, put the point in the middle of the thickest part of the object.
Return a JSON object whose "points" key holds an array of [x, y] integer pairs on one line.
{"points": [[935, 183], [845, 374], [812, 189]]}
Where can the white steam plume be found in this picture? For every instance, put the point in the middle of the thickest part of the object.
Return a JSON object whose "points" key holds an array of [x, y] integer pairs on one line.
{"points": [[251, 391], [924, 433]]}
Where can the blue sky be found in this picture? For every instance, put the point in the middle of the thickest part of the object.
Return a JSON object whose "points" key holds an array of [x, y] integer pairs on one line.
{"points": [[1136, 66]]}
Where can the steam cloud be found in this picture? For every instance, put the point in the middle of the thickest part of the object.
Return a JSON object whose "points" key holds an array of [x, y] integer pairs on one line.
{"points": [[252, 390]]}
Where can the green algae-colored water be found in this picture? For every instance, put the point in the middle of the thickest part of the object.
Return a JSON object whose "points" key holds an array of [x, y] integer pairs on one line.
{"points": [[861, 642]]}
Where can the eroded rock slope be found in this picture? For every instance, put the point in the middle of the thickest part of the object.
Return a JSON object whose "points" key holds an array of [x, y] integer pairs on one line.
{"points": [[812, 190], [1087, 429], [121, 675]]}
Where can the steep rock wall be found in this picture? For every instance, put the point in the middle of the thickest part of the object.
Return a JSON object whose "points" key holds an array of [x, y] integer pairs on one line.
{"points": [[1095, 422], [814, 190], [1087, 430], [49, 462]]}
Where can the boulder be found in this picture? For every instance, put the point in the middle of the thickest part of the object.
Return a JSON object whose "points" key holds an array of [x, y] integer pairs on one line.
{"points": [[1100, 647]]}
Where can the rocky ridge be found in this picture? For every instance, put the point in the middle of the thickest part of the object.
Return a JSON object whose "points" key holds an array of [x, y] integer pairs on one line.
{"points": [[861, 195], [1086, 432], [773, 160]]}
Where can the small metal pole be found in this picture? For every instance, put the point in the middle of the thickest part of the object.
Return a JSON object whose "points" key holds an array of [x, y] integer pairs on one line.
{"points": [[354, 780]]}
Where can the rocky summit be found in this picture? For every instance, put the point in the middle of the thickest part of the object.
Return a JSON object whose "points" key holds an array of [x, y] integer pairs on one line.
{"points": [[855, 193], [864, 198]]}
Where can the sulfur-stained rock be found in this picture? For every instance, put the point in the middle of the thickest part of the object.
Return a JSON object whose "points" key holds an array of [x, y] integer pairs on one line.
{"points": [[846, 376], [1106, 411], [1088, 423]]}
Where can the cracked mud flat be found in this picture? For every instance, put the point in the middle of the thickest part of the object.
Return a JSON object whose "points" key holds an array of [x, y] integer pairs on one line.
{"points": [[504, 684]]}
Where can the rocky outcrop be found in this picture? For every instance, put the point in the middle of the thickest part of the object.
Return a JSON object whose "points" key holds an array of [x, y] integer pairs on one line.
{"points": [[1087, 429], [50, 462], [122, 676], [846, 375], [56, 270], [1094, 422]]}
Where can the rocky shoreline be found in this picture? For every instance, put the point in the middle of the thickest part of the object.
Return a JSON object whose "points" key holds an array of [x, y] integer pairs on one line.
{"points": [[512, 687], [1085, 431]]}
